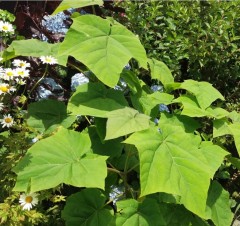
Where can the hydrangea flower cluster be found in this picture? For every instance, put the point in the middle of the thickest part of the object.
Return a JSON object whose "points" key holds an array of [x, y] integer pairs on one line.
{"points": [[56, 23], [117, 193]]}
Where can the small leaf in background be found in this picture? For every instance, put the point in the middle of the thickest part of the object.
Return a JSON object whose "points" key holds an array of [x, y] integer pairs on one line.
{"points": [[65, 157], [67, 4], [87, 208], [47, 115], [104, 46], [235, 129], [125, 121], [95, 99], [171, 162], [218, 205], [160, 71], [134, 213], [205, 93]]}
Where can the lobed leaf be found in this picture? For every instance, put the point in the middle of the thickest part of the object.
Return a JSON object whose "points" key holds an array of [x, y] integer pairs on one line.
{"points": [[125, 121], [87, 208], [204, 92], [65, 157], [172, 161], [103, 45]]}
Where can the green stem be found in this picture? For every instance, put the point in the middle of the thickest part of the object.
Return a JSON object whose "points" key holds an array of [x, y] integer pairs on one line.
{"points": [[36, 84]]}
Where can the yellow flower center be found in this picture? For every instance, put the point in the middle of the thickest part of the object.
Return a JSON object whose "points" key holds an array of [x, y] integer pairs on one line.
{"points": [[4, 89], [20, 73], [49, 60], [28, 199], [9, 120], [5, 28], [22, 64], [10, 73]]}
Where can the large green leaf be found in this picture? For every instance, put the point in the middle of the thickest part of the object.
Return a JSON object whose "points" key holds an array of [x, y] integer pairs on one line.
{"points": [[160, 71], [172, 161], [134, 213], [87, 208], [125, 121], [103, 45], [218, 205], [65, 157], [47, 115], [67, 4], [204, 92], [96, 100]]}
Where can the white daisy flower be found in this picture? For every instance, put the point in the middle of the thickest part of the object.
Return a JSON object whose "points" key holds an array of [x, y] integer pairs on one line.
{"points": [[6, 27], [21, 63], [7, 121], [48, 60], [1, 106], [27, 201], [6, 88], [9, 74], [22, 72]]}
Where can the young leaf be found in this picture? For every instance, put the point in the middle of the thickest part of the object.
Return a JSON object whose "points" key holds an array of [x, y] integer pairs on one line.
{"points": [[204, 92], [171, 162], [134, 213], [47, 115], [65, 157], [96, 100], [125, 121], [67, 4], [87, 208], [104, 46], [218, 207], [160, 71], [191, 108]]}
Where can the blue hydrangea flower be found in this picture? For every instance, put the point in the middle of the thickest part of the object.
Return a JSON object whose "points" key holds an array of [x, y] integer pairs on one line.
{"points": [[77, 80], [117, 193], [156, 88], [163, 107], [122, 86]]}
